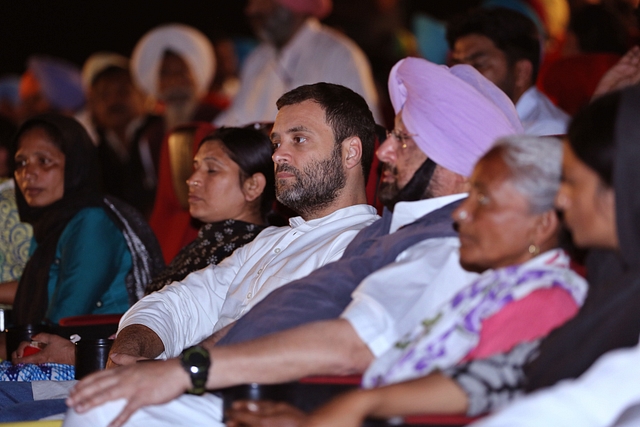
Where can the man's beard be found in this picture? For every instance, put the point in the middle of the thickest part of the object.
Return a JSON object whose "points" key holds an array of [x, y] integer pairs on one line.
{"points": [[508, 84], [315, 187], [276, 28], [180, 103], [418, 187]]}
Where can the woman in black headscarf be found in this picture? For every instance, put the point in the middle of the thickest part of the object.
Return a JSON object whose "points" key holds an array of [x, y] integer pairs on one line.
{"points": [[601, 205], [91, 254]]}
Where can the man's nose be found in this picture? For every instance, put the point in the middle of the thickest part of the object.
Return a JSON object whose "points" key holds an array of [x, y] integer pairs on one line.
{"points": [[387, 152], [281, 155]]}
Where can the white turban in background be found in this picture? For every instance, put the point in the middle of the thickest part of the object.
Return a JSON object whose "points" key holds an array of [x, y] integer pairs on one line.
{"points": [[98, 62], [318, 8], [183, 40], [455, 113]]}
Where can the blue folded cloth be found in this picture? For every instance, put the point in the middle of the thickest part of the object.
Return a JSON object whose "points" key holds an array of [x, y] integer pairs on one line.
{"points": [[30, 372]]}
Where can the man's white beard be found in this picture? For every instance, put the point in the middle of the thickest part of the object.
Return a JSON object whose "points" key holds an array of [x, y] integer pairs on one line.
{"points": [[179, 109]]}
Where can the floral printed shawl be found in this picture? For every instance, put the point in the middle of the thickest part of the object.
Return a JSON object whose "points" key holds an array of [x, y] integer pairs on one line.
{"points": [[443, 340]]}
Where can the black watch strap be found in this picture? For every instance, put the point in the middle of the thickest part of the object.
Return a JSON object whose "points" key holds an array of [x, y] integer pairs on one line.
{"points": [[195, 360]]}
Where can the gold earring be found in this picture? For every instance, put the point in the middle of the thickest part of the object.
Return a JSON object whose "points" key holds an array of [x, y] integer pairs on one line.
{"points": [[534, 249]]}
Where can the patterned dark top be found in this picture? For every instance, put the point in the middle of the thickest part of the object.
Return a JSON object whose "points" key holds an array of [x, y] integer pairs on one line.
{"points": [[215, 242]]}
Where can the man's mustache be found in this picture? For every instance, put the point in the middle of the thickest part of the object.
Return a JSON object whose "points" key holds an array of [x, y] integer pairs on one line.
{"points": [[386, 167], [287, 168]]}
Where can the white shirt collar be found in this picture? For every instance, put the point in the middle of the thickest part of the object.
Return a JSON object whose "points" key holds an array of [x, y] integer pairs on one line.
{"points": [[527, 102], [407, 212], [298, 221]]}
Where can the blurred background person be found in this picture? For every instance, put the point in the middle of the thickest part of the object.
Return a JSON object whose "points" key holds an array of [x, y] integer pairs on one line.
{"points": [[596, 37], [127, 136], [9, 97], [175, 65], [50, 85], [295, 49], [15, 236], [505, 47]]}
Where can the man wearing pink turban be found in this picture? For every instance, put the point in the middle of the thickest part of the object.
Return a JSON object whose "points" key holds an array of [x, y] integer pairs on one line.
{"points": [[397, 271], [295, 50]]}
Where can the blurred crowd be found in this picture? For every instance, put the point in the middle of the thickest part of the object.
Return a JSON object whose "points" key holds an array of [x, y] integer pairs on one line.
{"points": [[435, 196]]}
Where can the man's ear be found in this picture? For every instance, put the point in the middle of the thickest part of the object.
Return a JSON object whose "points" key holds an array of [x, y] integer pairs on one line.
{"points": [[523, 74], [253, 187], [352, 152]]}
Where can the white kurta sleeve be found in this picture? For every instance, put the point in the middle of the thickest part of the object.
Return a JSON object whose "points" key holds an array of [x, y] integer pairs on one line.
{"points": [[391, 301], [184, 313], [596, 399]]}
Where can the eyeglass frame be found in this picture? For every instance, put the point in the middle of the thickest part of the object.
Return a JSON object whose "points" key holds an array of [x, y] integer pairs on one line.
{"points": [[401, 138]]}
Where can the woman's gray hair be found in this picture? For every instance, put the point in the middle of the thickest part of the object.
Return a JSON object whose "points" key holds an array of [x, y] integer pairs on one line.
{"points": [[536, 166]]}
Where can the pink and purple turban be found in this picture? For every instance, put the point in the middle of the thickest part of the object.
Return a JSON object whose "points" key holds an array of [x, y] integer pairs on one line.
{"points": [[318, 8], [455, 113]]}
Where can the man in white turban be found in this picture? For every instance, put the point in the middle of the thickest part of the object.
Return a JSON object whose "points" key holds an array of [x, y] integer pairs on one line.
{"points": [[295, 50], [303, 328], [175, 64]]}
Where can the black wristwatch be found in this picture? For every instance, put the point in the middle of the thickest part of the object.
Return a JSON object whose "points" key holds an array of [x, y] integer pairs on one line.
{"points": [[195, 360]]}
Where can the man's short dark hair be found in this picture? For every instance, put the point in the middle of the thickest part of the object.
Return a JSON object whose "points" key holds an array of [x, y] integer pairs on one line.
{"points": [[345, 111], [512, 32]]}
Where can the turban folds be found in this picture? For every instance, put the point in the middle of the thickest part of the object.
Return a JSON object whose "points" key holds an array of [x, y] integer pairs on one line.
{"points": [[185, 41], [455, 113], [317, 8]]}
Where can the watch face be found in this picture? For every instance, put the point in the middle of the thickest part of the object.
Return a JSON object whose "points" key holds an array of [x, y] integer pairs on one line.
{"points": [[196, 357], [196, 361]]}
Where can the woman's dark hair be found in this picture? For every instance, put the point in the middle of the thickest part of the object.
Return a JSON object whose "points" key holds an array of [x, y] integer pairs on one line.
{"points": [[251, 150], [591, 135]]}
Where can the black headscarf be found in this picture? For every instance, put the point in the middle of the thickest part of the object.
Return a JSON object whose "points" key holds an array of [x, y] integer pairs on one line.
{"points": [[610, 317], [81, 177]]}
